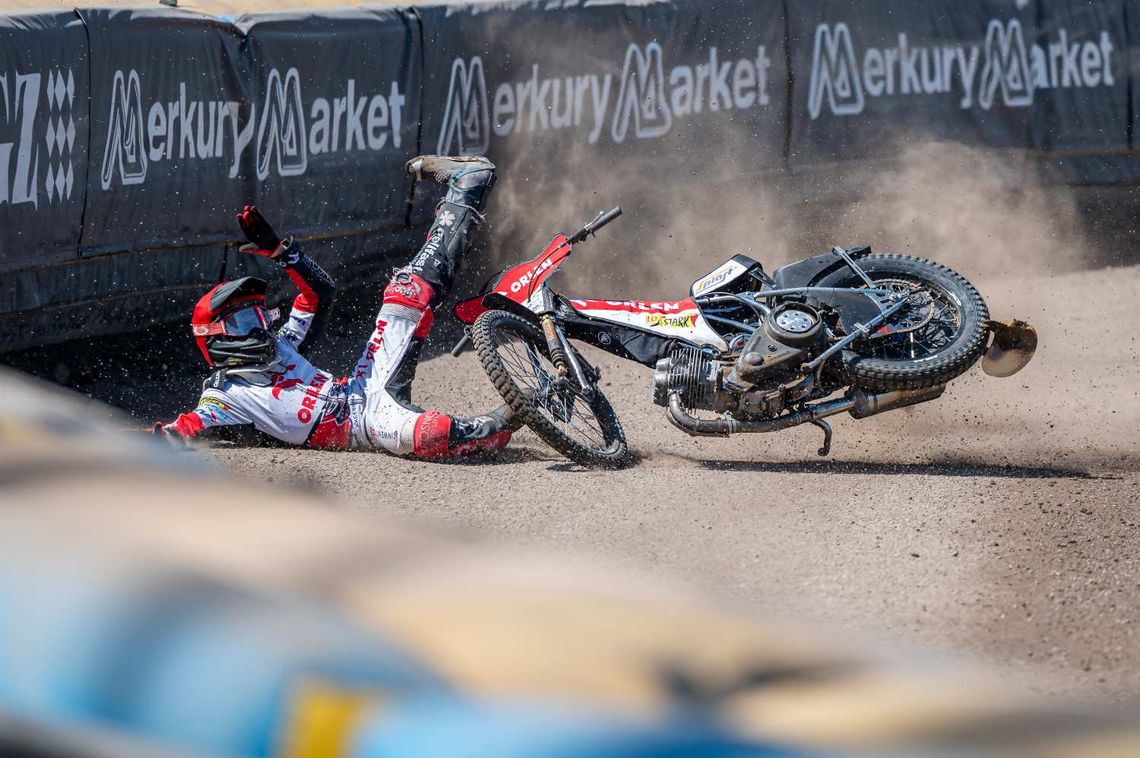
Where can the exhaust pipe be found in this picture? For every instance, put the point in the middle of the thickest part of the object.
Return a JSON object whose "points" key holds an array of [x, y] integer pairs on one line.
{"points": [[858, 403], [871, 404]]}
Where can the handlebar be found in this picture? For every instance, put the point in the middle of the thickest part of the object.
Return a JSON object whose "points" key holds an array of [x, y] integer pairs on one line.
{"points": [[599, 221]]}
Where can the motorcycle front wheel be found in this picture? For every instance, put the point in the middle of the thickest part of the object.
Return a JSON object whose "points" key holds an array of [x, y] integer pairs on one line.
{"points": [[514, 354], [941, 330]]}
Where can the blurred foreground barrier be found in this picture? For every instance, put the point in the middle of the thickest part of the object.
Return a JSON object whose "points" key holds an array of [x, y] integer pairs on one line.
{"points": [[147, 603]]}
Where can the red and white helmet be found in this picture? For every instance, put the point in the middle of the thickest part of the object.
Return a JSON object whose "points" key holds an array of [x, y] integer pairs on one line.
{"points": [[232, 326]]}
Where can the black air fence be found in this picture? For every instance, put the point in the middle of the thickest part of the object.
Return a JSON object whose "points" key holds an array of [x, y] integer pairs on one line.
{"points": [[130, 138]]}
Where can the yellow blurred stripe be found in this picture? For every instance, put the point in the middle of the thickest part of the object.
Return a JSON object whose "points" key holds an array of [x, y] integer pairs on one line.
{"points": [[323, 718]]}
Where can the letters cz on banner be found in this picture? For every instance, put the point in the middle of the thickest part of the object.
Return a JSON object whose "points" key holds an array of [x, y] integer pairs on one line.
{"points": [[37, 136]]}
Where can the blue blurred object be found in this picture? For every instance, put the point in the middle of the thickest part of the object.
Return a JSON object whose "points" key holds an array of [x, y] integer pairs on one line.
{"points": [[154, 609], [185, 661], [528, 730], [193, 664]]}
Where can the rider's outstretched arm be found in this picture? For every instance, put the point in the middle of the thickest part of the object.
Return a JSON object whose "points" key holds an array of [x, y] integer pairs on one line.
{"points": [[314, 302], [214, 409]]}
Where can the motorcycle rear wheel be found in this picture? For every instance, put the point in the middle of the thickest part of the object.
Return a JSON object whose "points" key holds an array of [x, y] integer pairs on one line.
{"points": [[514, 354], [946, 346]]}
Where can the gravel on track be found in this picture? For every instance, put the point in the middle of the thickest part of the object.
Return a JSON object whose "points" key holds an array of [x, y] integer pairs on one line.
{"points": [[1001, 521]]}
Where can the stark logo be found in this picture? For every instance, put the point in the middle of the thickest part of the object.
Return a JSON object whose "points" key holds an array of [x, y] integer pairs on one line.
{"points": [[20, 94], [466, 121], [685, 321], [282, 135]]}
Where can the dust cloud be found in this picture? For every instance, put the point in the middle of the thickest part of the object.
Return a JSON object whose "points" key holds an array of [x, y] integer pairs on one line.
{"points": [[672, 231], [1021, 240], [983, 213]]}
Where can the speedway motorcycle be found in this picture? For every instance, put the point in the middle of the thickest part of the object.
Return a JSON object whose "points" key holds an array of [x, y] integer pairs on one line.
{"points": [[846, 331]]}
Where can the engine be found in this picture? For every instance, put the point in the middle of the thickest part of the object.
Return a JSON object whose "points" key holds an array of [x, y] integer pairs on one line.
{"points": [[783, 342], [693, 373], [754, 383]]}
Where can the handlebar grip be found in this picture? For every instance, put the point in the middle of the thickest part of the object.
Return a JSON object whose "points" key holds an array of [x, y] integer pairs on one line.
{"points": [[606, 218], [599, 221]]}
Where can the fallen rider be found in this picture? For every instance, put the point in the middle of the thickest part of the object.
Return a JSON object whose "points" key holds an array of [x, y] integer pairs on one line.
{"points": [[261, 377]]}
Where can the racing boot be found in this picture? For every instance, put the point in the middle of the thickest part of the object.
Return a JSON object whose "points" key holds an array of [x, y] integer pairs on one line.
{"points": [[468, 180], [492, 422], [438, 436]]}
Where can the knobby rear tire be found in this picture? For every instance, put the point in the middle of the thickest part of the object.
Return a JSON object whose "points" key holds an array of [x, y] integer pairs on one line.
{"points": [[483, 332], [967, 346]]}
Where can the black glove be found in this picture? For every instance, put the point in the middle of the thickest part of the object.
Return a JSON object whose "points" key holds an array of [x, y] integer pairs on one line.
{"points": [[257, 230], [264, 241]]}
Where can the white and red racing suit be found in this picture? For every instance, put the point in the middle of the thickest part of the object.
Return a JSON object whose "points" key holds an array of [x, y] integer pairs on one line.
{"points": [[295, 402]]}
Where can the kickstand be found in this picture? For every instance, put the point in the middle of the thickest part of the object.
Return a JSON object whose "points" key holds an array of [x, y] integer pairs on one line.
{"points": [[826, 427]]}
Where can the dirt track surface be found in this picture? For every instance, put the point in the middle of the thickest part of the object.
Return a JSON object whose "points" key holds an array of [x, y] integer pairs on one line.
{"points": [[1002, 521]]}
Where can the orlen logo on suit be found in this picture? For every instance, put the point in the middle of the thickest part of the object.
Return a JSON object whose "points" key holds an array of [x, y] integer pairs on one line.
{"points": [[285, 134]]}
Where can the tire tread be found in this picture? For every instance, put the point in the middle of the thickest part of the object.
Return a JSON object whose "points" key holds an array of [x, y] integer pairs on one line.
{"points": [[878, 374], [481, 336]]}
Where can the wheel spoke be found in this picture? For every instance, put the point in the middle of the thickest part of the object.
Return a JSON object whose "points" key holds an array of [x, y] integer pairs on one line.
{"points": [[559, 402], [929, 337]]}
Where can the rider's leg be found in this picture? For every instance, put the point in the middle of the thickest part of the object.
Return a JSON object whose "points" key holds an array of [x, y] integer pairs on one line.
{"points": [[469, 181], [389, 362], [395, 425]]}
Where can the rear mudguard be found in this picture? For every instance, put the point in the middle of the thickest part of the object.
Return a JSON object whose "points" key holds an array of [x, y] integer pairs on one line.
{"points": [[810, 270]]}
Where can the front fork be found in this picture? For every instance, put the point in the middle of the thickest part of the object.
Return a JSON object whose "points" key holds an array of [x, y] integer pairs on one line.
{"points": [[554, 345], [564, 357]]}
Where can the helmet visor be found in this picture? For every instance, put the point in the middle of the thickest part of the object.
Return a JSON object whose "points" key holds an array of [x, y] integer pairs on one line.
{"points": [[240, 322]]}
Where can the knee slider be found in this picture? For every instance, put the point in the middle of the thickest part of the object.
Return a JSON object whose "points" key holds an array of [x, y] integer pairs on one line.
{"points": [[408, 290]]}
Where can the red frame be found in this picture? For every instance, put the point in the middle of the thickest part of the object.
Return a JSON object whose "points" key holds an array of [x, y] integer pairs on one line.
{"points": [[519, 282]]}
